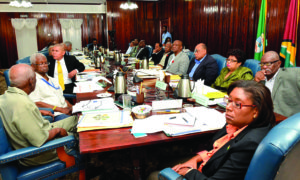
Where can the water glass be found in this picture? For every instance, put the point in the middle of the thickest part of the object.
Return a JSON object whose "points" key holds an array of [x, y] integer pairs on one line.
{"points": [[126, 102]]}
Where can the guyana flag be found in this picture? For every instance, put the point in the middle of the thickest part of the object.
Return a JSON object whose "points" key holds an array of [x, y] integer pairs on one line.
{"points": [[289, 42], [260, 42]]}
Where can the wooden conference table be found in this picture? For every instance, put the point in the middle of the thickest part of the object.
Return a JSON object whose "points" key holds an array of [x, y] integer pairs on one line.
{"points": [[97, 141]]}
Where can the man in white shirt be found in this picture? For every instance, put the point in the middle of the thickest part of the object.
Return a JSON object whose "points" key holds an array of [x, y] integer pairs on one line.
{"points": [[64, 68], [165, 35], [284, 83], [48, 92]]}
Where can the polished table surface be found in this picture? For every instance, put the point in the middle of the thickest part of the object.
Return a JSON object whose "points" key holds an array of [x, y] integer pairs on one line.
{"points": [[113, 139]]}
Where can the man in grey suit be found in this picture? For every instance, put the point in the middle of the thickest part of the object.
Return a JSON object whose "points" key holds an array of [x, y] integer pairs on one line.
{"points": [[284, 83], [179, 61]]}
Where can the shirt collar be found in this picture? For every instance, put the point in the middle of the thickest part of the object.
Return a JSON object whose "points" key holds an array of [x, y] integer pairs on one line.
{"points": [[16, 90], [199, 61], [233, 131]]}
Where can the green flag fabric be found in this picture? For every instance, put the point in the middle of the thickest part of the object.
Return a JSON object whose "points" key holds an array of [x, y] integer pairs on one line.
{"points": [[260, 42], [289, 43]]}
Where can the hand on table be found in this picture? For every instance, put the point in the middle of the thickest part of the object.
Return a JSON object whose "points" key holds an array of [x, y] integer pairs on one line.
{"points": [[72, 73]]}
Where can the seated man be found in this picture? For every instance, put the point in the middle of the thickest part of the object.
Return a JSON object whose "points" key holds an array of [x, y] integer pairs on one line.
{"points": [[130, 48], [64, 68], [142, 52], [203, 66], [68, 47], [165, 59], [283, 83], [158, 53], [47, 92], [22, 120], [94, 46], [135, 48], [179, 61]]}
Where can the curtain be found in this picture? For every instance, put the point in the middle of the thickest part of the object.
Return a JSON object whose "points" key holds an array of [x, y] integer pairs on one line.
{"points": [[71, 31], [25, 30]]}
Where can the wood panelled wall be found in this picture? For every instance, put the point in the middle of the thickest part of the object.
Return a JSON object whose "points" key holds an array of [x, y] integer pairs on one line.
{"points": [[221, 24], [48, 29]]}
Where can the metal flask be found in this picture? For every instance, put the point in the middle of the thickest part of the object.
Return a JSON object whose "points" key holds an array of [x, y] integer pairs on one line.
{"points": [[120, 83], [144, 64], [184, 87], [97, 62], [117, 56]]}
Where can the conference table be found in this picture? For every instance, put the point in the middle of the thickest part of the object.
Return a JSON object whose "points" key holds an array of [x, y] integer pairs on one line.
{"points": [[98, 141]]}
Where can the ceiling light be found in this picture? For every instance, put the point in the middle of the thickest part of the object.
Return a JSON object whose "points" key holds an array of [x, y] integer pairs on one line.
{"points": [[20, 3], [128, 5]]}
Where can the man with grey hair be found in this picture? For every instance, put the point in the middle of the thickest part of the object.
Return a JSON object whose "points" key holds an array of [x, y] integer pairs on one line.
{"points": [[48, 93], [284, 83], [68, 47], [22, 120], [64, 68]]}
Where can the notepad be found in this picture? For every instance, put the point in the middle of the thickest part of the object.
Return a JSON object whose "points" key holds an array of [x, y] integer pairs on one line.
{"points": [[215, 95], [182, 119]]}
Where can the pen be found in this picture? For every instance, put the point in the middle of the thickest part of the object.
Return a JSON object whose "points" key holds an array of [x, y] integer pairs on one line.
{"points": [[185, 120], [174, 111], [172, 117]]}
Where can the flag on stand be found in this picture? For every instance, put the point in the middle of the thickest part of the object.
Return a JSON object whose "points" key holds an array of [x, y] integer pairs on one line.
{"points": [[289, 42], [260, 42]]}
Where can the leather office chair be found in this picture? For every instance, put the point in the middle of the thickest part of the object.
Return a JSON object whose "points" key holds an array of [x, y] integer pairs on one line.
{"points": [[221, 61], [190, 54], [11, 170], [253, 65], [150, 49], [276, 157], [25, 60]]}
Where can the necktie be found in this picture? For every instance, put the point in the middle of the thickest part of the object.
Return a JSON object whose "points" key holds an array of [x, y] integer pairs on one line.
{"points": [[60, 76]]}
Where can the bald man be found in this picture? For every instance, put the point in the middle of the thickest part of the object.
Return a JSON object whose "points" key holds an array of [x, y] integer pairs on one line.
{"points": [[179, 61], [203, 66], [70, 66], [284, 83], [22, 120]]}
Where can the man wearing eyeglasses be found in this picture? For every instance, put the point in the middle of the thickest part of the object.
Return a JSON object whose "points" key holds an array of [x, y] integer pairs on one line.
{"points": [[47, 92], [203, 66], [284, 83]]}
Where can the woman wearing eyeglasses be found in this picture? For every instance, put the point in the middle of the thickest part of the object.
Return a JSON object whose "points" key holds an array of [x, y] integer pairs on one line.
{"points": [[233, 71], [249, 116]]}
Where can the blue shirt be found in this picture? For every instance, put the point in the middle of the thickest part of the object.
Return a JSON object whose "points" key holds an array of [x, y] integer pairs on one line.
{"points": [[164, 37], [129, 50], [197, 63]]}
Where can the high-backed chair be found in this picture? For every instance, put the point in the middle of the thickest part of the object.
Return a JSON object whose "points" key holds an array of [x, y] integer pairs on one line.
{"points": [[25, 60], [190, 54], [11, 170], [276, 157], [253, 65], [150, 49], [221, 61]]}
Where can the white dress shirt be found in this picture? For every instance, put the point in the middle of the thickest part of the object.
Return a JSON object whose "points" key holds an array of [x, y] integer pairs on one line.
{"points": [[67, 80], [48, 93], [270, 82]]}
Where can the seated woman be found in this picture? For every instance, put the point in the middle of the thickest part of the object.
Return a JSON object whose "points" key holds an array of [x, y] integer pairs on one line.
{"points": [[234, 70], [249, 116]]}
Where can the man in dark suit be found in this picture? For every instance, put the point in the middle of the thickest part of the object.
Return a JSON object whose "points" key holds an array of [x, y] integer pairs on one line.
{"points": [[203, 66], [142, 51], [64, 68], [68, 47], [158, 53], [94, 46]]}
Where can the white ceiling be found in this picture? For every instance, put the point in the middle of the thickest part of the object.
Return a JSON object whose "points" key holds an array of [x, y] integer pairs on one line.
{"points": [[62, 1]]}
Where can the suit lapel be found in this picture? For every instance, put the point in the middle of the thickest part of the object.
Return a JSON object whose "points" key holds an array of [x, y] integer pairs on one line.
{"points": [[277, 83]]}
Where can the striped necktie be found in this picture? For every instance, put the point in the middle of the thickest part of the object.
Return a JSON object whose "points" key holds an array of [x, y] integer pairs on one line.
{"points": [[60, 76]]}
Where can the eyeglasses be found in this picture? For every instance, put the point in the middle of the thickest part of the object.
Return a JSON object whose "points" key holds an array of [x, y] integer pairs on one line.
{"points": [[236, 105], [231, 60], [43, 64], [268, 63]]}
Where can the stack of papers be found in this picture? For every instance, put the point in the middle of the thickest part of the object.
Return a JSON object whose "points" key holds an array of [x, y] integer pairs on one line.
{"points": [[108, 120], [205, 119], [86, 76], [105, 104], [86, 86], [147, 73]]}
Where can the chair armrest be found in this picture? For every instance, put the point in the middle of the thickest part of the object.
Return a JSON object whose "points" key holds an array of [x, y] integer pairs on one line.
{"points": [[29, 151], [47, 109], [169, 174], [70, 96]]}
